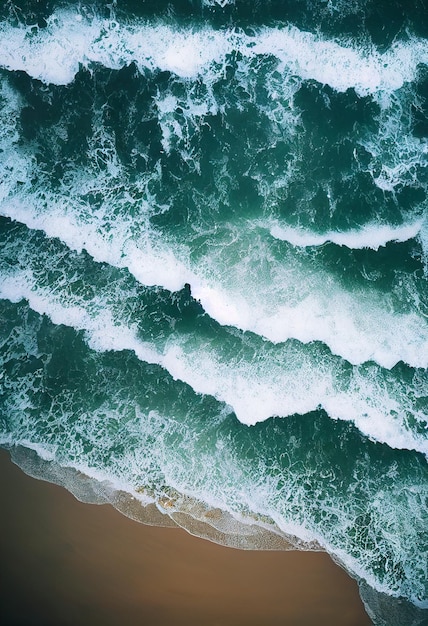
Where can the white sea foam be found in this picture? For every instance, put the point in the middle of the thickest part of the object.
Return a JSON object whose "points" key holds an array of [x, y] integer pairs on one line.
{"points": [[221, 3], [288, 382], [343, 67], [54, 53], [295, 303], [287, 297], [246, 491], [276, 298], [15, 165], [280, 298], [148, 260], [358, 326], [371, 236], [232, 485], [175, 132], [260, 493], [423, 238], [398, 157], [280, 382], [103, 332]]}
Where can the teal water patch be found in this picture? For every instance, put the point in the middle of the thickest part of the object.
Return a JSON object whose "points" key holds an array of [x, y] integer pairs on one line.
{"points": [[214, 265]]}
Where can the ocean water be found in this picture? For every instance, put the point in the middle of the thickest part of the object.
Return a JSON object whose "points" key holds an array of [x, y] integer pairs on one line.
{"points": [[214, 271]]}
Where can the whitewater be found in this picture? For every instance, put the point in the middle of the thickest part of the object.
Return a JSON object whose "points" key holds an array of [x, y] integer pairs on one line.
{"points": [[214, 275]]}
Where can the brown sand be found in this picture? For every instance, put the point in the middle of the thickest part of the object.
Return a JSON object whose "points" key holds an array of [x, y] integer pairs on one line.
{"points": [[68, 563]]}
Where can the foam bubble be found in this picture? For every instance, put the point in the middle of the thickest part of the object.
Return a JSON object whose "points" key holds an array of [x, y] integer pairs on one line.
{"points": [[193, 109], [288, 297], [104, 333], [15, 165]]}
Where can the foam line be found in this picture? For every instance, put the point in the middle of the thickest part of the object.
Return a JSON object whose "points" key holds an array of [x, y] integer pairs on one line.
{"points": [[285, 382], [53, 54], [151, 262], [232, 483], [372, 236], [358, 327]]}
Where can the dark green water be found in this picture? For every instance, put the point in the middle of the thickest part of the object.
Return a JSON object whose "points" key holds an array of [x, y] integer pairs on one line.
{"points": [[214, 268]]}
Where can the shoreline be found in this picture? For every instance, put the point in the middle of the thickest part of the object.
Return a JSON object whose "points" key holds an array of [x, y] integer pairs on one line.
{"points": [[68, 563]]}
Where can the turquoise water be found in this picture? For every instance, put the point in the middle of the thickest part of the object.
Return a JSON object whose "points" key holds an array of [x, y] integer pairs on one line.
{"points": [[214, 269]]}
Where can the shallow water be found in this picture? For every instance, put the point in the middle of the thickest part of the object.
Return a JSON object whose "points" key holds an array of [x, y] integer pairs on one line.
{"points": [[214, 268]]}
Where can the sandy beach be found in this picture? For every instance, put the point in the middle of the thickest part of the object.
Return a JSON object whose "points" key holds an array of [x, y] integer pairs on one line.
{"points": [[69, 563]]}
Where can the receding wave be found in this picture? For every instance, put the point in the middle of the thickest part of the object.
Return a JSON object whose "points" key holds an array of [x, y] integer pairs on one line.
{"points": [[134, 431]]}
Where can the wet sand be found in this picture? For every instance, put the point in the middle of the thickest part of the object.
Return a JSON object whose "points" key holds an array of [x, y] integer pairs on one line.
{"points": [[68, 563]]}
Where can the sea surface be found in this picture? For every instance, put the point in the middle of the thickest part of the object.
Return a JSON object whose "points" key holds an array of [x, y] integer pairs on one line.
{"points": [[214, 271]]}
